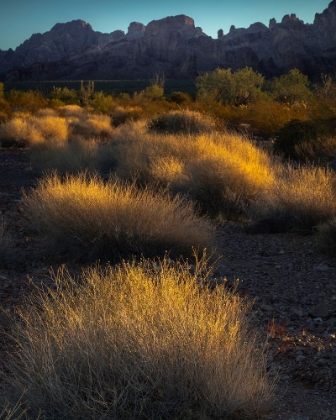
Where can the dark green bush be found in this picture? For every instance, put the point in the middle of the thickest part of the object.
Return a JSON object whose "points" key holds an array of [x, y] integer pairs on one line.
{"points": [[292, 134]]}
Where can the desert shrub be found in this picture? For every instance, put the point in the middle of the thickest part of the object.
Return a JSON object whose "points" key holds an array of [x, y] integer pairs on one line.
{"points": [[20, 131], [92, 125], [302, 199], [321, 150], [326, 237], [30, 101], [180, 98], [153, 92], [267, 118], [102, 103], [292, 134], [121, 115], [5, 110], [72, 111], [65, 94], [222, 172], [91, 219], [23, 130], [228, 174], [188, 122], [72, 156], [141, 341]]}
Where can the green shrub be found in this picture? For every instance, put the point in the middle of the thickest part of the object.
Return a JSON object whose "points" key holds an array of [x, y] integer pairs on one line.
{"points": [[177, 122], [292, 134]]}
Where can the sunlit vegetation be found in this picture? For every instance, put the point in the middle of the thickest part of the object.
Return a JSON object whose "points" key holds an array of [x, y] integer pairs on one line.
{"points": [[148, 174], [90, 219], [143, 341]]}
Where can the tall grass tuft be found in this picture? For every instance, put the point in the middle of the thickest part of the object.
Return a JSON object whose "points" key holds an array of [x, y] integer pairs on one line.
{"points": [[139, 341], [90, 219], [301, 200]]}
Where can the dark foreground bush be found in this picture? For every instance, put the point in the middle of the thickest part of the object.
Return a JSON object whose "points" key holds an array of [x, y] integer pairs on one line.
{"points": [[149, 341], [292, 134]]}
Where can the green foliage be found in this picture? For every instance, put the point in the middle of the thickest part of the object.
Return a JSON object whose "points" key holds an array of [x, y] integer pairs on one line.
{"points": [[176, 122], [292, 134], [30, 101], [180, 98], [291, 88], [153, 92], [239, 88], [65, 94], [101, 103]]}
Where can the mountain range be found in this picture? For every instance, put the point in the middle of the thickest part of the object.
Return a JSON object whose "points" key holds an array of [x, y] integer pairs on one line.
{"points": [[175, 47]]}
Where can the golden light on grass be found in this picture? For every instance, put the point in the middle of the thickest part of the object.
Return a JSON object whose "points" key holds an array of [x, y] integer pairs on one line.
{"points": [[91, 218], [147, 341]]}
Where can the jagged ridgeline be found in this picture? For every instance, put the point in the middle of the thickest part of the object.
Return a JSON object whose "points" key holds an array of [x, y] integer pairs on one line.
{"points": [[175, 47]]}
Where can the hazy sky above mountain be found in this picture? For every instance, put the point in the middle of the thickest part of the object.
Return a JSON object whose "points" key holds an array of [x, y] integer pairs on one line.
{"points": [[19, 19]]}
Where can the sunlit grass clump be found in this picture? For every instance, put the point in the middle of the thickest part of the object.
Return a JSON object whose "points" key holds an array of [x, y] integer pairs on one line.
{"points": [[223, 172], [139, 341], [26, 130], [91, 219]]}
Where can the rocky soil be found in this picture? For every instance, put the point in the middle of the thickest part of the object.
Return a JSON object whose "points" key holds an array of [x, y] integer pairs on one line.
{"points": [[292, 284]]}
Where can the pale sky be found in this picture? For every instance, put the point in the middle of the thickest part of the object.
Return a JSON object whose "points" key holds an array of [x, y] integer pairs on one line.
{"points": [[19, 19]]}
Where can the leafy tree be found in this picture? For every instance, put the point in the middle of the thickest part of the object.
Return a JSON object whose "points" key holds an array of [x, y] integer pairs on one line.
{"points": [[216, 85], [247, 86], [239, 88], [292, 87]]}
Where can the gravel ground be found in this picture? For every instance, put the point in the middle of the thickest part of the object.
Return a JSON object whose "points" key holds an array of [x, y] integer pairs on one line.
{"points": [[292, 284]]}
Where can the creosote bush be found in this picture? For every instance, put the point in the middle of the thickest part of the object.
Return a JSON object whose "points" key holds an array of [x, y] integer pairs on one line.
{"points": [[187, 122], [147, 340], [90, 219]]}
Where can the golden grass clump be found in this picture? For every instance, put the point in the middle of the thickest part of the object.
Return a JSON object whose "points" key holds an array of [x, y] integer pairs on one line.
{"points": [[91, 219], [302, 198], [20, 131], [26, 130], [71, 111], [223, 172], [91, 125], [138, 341], [228, 174]]}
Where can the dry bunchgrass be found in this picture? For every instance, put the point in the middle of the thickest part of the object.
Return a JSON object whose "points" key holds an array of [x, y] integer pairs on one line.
{"points": [[91, 125], [73, 156], [223, 172], [138, 341], [228, 174], [27, 130], [90, 219], [301, 200]]}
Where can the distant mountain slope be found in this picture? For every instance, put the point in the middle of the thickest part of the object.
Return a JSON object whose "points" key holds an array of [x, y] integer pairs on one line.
{"points": [[174, 45]]}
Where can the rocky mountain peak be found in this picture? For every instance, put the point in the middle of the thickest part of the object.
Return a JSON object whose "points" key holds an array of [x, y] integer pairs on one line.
{"points": [[135, 30], [181, 23]]}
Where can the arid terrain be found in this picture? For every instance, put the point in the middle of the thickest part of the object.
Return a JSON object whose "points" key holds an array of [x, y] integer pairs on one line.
{"points": [[291, 282]]}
